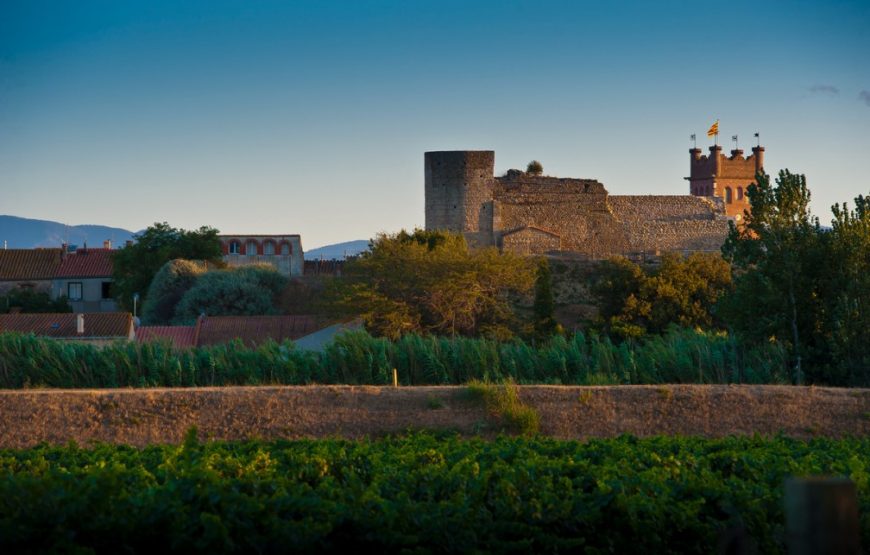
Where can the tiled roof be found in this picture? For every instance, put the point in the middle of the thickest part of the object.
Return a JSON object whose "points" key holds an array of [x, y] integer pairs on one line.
{"points": [[97, 324], [254, 329], [29, 264], [85, 263], [179, 336]]}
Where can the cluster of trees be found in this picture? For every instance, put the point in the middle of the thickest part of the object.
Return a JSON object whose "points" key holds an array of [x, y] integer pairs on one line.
{"points": [[803, 285], [184, 289], [135, 265], [432, 283], [782, 278]]}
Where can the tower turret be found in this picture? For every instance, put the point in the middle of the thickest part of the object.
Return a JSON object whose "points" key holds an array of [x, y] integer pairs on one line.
{"points": [[458, 190]]}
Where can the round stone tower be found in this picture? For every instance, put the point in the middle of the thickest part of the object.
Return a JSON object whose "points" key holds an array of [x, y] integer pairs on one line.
{"points": [[458, 189]]}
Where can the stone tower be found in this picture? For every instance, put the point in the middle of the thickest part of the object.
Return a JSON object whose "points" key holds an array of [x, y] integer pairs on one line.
{"points": [[725, 177], [459, 189]]}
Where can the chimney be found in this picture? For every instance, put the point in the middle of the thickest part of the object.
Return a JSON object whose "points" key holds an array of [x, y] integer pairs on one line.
{"points": [[107, 244], [80, 324]]}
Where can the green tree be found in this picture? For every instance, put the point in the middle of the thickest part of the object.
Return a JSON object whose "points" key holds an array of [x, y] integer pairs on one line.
{"points": [[846, 290], [778, 264], [680, 291], [535, 168], [167, 288], [431, 282], [135, 265], [544, 305], [248, 290]]}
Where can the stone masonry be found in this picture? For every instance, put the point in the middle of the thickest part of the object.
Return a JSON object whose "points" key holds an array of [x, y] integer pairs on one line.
{"points": [[531, 214]]}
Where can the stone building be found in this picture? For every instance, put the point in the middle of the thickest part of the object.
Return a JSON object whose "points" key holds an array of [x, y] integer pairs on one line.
{"points": [[532, 214], [284, 252], [725, 177]]}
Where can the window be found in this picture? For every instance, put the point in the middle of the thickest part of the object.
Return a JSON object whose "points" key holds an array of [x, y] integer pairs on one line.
{"points": [[235, 247], [285, 248], [74, 290], [739, 193], [107, 290], [728, 195], [251, 248], [269, 248]]}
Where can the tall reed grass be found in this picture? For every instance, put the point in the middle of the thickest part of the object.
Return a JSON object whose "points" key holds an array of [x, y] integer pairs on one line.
{"points": [[678, 356]]}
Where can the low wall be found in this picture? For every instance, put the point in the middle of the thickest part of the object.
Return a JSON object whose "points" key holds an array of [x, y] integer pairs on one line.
{"points": [[145, 416]]}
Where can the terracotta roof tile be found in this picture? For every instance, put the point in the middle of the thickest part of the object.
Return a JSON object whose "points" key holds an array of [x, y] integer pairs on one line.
{"points": [[255, 329], [29, 264], [179, 336], [97, 324], [85, 263]]}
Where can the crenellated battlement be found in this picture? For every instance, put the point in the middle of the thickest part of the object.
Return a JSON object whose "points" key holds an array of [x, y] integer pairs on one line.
{"points": [[725, 177]]}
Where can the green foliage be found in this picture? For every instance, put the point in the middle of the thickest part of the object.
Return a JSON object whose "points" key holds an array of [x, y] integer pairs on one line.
{"points": [[802, 285], [535, 168], [544, 305], [134, 266], [246, 290], [503, 402], [28, 301], [430, 282], [681, 291], [678, 356], [417, 493], [167, 288]]}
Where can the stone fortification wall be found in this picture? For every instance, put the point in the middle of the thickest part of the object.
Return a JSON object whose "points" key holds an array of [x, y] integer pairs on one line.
{"points": [[659, 223]]}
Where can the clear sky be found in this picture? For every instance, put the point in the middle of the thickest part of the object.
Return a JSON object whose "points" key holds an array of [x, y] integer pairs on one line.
{"points": [[312, 117]]}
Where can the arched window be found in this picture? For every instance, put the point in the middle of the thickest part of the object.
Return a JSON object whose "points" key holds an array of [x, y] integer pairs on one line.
{"points": [[286, 249], [269, 248], [235, 247], [251, 248], [728, 198], [739, 193]]}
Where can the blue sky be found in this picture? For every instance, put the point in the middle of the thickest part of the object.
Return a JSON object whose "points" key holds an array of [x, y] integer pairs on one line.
{"points": [[312, 117]]}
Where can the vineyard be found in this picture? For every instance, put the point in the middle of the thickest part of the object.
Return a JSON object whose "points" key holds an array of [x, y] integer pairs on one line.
{"points": [[624, 495]]}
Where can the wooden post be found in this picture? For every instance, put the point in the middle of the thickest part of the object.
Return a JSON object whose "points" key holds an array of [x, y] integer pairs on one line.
{"points": [[395, 378], [822, 516]]}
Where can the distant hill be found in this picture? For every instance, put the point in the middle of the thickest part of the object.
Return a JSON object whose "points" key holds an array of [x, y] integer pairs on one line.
{"points": [[26, 233], [337, 251]]}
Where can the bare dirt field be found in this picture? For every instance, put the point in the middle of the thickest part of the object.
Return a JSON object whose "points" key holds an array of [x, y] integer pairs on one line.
{"points": [[144, 416]]}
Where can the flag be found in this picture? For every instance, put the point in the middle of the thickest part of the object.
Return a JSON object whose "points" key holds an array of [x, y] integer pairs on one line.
{"points": [[714, 129], [734, 138], [756, 135], [692, 137]]}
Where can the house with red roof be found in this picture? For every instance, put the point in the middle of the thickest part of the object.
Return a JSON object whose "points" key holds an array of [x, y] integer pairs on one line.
{"points": [[217, 330], [29, 269], [84, 276], [95, 329]]}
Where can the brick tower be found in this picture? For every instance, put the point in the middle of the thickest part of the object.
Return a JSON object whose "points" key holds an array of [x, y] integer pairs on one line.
{"points": [[725, 177]]}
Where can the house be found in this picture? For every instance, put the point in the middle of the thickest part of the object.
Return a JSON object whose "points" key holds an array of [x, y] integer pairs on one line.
{"points": [[84, 276], [181, 337], [284, 252], [217, 330], [95, 329], [30, 269]]}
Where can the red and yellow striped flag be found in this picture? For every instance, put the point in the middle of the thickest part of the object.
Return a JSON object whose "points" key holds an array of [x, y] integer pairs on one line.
{"points": [[714, 129]]}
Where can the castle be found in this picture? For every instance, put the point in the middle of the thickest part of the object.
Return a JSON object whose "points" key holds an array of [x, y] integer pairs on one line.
{"points": [[533, 214]]}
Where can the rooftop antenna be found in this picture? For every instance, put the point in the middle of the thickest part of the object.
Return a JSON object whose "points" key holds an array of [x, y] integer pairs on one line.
{"points": [[757, 139], [694, 140], [734, 138]]}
